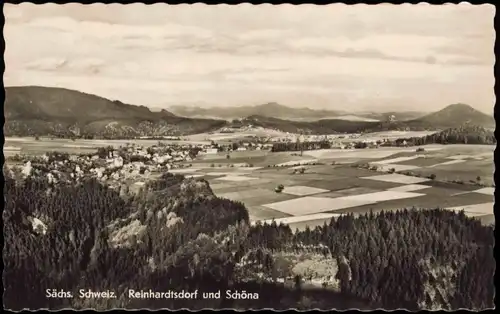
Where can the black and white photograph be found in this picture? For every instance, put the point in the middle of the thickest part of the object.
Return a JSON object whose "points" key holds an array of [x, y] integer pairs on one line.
{"points": [[245, 156]]}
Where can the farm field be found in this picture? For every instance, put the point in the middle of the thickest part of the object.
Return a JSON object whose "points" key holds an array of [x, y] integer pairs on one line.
{"points": [[29, 145], [332, 186], [325, 190], [453, 162]]}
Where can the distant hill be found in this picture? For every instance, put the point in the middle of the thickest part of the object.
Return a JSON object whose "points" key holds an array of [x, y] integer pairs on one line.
{"points": [[35, 110], [325, 126], [453, 116], [42, 111], [275, 110]]}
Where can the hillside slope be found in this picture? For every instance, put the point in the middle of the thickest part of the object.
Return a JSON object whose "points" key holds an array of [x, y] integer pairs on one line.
{"points": [[272, 110], [326, 126], [35, 110], [466, 134], [453, 116], [275, 110]]}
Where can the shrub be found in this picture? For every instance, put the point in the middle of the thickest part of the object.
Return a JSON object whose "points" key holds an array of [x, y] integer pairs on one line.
{"points": [[392, 170], [212, 165], [432, 176]]}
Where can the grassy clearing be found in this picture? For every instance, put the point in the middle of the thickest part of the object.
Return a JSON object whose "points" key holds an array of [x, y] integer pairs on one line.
{"points": [[303, 190], [453, 188], [487, 219], [483, 208], [423, 161], [486, 191], [466, 172], [313, 205], [381, 196], [425, 202], [184, 170], [396, 160], [79, 143], [351, 171], [348, 192], [248, 194], [236, 178], [269, 198], [227, 186], [395, 168], [410, 188], [397, 178], [351, 182], [358, 153], [257, 212]]}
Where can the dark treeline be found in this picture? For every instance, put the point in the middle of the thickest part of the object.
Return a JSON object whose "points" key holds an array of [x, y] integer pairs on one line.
{"points": [[399, 259], [300, 146], [461, 135], [176, 235]]}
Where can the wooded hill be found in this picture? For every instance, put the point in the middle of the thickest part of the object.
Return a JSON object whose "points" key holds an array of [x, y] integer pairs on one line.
{"points": [[466, 134], [453, 116], [47, 111], [275, 110]]}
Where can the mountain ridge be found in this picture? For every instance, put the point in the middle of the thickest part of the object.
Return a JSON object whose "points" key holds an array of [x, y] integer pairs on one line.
{"points": [[40, 111], [276, 110], [452, 116]]}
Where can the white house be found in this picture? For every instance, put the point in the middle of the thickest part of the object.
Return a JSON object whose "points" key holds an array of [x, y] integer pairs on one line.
{"points": [[211, 151]]}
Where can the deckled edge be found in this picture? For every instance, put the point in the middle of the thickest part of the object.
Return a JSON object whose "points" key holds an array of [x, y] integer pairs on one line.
{"points": [[2, 68]]}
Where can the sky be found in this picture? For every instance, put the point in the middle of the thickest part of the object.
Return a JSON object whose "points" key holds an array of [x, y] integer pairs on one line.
{"points": [[363, 57]]}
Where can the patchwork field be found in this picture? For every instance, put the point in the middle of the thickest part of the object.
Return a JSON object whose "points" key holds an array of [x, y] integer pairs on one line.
{"points": [[327, 190], [31, 146]]}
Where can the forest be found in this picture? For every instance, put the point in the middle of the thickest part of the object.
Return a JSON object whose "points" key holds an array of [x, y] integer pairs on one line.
{"points": [[463, 135], [175, 234]]}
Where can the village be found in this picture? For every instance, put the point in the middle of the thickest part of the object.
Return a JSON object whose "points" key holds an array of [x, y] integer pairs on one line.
{"points": [[134, 164]]}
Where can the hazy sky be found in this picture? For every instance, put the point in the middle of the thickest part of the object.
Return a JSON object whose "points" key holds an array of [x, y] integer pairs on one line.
{"points": [[361, 57]]}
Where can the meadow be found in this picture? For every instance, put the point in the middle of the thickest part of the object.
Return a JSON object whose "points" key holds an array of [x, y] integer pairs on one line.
{"points": [[333, 185], [331, 188], [32, 146]]}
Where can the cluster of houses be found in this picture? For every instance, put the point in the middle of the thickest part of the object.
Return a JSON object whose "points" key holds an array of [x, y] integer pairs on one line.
{"points": [[215, 148], [351, 141], [132, 162]]}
